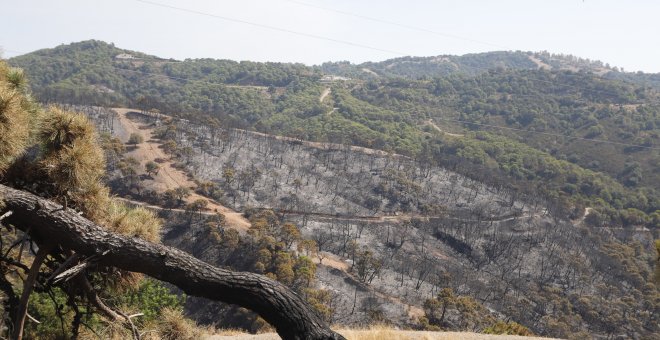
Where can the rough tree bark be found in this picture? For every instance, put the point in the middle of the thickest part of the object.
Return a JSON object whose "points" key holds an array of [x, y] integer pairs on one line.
{"points": [[57, 226]]}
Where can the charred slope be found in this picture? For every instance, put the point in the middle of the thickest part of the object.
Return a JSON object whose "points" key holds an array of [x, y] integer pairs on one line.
{"points": [[404, 230]]}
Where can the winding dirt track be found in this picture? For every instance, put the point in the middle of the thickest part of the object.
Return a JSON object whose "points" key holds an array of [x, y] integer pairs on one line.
{"points": [[539, 63], [402, 217], [169, 177], [433, 125], [325, 93]]}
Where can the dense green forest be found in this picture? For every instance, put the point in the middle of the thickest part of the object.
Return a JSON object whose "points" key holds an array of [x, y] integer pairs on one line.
{"points": [[428, 67], [576, 131]]}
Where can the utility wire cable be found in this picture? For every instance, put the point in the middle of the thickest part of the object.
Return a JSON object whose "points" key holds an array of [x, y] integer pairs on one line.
{"points": [[485, 68], [425, 30], [411, 27], [393, 23], [349, 43], [274, 28]]}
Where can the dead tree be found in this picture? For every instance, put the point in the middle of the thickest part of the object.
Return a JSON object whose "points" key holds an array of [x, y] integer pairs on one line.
{"points": [[52, 226]]}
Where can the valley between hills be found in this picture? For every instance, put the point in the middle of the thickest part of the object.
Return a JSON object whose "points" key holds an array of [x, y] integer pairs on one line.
{"points": [[502, 193], [485, 236]]}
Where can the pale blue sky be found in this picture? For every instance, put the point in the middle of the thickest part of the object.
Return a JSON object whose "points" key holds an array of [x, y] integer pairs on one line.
{"points": [[622, 33]]}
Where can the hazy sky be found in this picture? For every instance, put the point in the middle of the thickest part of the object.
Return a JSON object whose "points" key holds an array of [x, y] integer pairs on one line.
{"points": [[622, 33]]}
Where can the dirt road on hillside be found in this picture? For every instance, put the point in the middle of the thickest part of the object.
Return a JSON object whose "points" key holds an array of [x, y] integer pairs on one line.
{"points": [[433, 125], [325, 93], [169, 177]]}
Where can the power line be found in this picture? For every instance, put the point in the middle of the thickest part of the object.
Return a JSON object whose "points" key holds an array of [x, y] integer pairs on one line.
{"points": [[274, 28], [393, 23], [425, 30], [361, 45], [365, 46], [358, 44], [449, 120]]}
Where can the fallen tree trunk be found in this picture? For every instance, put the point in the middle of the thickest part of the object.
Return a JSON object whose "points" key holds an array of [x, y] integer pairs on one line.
{"points": [[57, 226]]}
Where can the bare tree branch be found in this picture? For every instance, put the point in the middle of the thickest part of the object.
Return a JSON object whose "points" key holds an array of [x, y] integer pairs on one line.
{"points": [[278, 305], [27, 290], [98, 303]]}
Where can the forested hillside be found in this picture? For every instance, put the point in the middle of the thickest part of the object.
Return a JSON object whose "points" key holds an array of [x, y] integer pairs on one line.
{"points": [[498, 192], [584, 140], [381, 237]]}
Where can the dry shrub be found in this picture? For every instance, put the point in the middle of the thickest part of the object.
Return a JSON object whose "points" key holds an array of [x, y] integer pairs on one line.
{"points": [[14, 121], [73, 158], [76, 166], [120, 281], [110, 331], [73, 161], [171, 325], [174, 326], [94, 201], [377, 332], [61, 128], [15, 77], [134, 222], [76, 172], [137, 222]]}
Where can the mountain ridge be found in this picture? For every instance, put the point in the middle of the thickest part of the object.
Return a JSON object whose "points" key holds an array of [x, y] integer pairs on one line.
{"points": [[535, 108], [468, 63], [497, 224]]}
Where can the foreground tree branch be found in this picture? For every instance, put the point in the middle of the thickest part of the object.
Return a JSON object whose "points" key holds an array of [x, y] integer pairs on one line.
{"points": [[95, 299], [58, 226], [27, 290]]}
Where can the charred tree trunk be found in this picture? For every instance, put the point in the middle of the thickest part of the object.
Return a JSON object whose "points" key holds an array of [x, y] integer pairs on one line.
{"points": [[57, 226]]}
